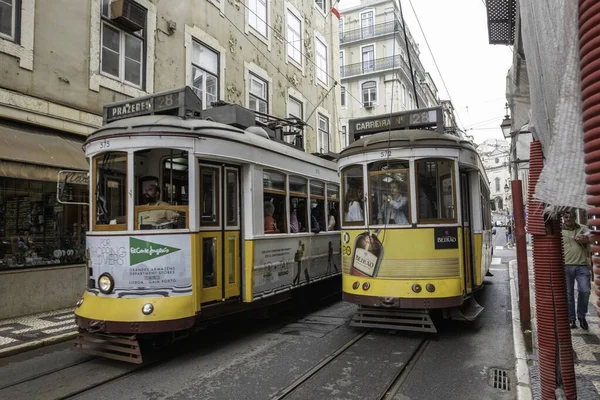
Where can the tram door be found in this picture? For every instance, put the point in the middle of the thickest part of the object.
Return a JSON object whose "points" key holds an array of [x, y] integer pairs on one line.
{"points": [[468, 258], [219, 241]]}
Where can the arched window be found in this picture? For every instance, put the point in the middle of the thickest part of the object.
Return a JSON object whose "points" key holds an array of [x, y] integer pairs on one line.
{"points": [[369, 92], [497, 181], [500, 205]]}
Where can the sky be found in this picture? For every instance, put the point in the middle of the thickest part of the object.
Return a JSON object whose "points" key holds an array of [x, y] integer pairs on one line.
{"points": [[474, 71]]}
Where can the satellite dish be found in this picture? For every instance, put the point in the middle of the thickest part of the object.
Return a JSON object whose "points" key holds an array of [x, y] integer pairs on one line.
{"points": [[257, 130]]}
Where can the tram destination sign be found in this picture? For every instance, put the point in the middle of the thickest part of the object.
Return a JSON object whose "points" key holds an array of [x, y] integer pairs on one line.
{"points": [[181, 102], [412, 119]]}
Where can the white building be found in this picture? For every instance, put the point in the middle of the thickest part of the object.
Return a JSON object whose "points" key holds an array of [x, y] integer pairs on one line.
{"points": [[377, 74], [495, 154]]}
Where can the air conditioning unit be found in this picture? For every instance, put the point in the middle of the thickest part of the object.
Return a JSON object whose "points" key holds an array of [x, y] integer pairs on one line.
{"points": [[128, 13], [368, 104]]}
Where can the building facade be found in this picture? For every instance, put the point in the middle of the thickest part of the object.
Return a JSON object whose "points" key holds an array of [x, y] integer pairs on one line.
{"points": [[377, 76], [495, 156], [62, 61]]}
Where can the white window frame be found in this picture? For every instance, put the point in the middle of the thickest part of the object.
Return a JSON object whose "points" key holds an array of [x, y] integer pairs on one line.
{"points": [[193, 33], [13, 22], [205, 72], [362, 99], [344, 92], [321, 112], [404, 95], [323, 10], [360, 19], [122, 38], [345, 138], [341, 27], [98, 79], [250, 29], [362, 61], [320, 39], [253, 69], [292, 12], [296, 96], [23, 50]]}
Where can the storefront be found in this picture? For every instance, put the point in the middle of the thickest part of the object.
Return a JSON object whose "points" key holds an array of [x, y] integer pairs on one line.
{"points": [[42, 241]]}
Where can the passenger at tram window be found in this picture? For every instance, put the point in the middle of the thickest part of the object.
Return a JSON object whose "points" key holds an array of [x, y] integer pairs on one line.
{"points": [[294, 224], [332, 222], [152, 218], [353, 205], [394, 209], [270, 223], [315, 216], [302, 216]]}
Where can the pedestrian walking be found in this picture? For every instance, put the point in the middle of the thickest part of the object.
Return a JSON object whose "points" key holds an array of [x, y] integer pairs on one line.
{"points": [[576, 252]]}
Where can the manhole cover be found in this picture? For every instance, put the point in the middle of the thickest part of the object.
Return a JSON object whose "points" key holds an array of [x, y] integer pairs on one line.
{"points": [[500, 379]]}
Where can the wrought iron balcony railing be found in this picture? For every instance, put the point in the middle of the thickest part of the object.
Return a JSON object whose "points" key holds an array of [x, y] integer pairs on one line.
{"points": [[368, 32]]}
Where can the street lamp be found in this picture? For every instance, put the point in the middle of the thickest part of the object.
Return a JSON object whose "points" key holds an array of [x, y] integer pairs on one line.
{"points": [[506, 124], [506, 188]]}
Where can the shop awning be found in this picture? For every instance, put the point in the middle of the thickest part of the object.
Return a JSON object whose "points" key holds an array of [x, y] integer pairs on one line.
{"points": [[36, 153]]}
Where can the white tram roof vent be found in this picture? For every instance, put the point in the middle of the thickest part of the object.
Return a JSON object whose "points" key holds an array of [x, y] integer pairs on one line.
{"points": [[257, 130]]}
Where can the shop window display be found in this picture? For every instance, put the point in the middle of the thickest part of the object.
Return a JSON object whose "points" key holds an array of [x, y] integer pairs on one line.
{"points": [[35, 229]]}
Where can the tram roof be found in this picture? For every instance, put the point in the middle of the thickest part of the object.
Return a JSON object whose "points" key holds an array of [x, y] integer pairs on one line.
{"points": [[403, 138], [196, 127]]}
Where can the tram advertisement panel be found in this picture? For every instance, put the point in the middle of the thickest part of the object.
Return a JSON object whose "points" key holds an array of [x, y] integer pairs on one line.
{"points": [[153, 265], [401, 253], [284, 263]]}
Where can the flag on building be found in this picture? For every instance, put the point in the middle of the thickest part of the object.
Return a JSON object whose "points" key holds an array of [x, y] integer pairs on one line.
{"points": [[334, 10]]}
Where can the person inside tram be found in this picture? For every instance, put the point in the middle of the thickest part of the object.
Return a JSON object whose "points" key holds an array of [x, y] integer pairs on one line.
{"points": [[152, 218], [394, 209], [270, 223], [352, 208], [294, 224], [332, 222]]}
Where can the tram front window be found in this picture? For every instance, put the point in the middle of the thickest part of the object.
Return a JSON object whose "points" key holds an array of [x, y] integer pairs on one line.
{"points": [[435, 185], [110, 189], [162, 188], [389, 193]]}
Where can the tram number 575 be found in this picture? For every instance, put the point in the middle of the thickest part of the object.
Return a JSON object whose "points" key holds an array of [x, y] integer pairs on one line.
{"points": [[105, 144], [386, 153]]}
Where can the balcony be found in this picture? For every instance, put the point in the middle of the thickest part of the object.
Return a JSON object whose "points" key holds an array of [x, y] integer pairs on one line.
{"points": [[369, 32]]}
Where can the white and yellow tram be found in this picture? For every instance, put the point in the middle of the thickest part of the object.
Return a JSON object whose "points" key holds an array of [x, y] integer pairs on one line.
{"points": [[193, 219], [416, 224]]}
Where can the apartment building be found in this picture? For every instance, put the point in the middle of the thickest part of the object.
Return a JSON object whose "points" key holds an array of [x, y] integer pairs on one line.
{"points": [[377, 75], [495, 154], [63, 60]]}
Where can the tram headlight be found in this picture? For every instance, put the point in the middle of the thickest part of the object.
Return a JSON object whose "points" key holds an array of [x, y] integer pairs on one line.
{"points": [[366, 286], [430, 287], [106, 283], [147, 309], [417, 288], [355, 285]]}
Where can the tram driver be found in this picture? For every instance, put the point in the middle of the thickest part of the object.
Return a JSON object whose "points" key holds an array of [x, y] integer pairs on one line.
{"points": [[154, 219], [394, 209]]}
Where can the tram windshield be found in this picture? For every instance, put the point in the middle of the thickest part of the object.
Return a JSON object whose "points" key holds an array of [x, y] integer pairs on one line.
{"points": [[435, 184], [389, 193], [352, 185], [162, 189], [110, 190]]}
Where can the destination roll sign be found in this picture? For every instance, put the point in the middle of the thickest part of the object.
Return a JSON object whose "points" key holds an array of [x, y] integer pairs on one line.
{"points": [[181, 102], [412, 119]]}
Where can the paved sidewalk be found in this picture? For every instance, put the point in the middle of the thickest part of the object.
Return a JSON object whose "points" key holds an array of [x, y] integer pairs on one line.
{"points": [[37, 330], [586, 346]]}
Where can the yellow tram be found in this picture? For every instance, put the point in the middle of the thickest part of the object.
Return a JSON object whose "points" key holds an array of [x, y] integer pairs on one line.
{"points": [[194, 219], [416, 224]]}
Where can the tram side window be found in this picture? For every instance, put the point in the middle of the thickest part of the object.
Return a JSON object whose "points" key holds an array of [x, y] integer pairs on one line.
{"points": [[352, 185], [274, 202], [298, 204], [162, 189], [435, 185], [389, 193], [333, 205], [110, 190], [317, 206]]}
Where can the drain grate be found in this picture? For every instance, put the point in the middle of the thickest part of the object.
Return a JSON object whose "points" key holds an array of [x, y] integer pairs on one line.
{"points": [[500, 379]]}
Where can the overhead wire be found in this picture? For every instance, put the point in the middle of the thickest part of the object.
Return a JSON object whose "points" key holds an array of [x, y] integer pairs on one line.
{"points": [[433, 57]]}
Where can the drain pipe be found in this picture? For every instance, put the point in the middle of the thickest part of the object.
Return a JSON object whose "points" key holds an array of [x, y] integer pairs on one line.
{"points": [[589, 64], [557, 371]]}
